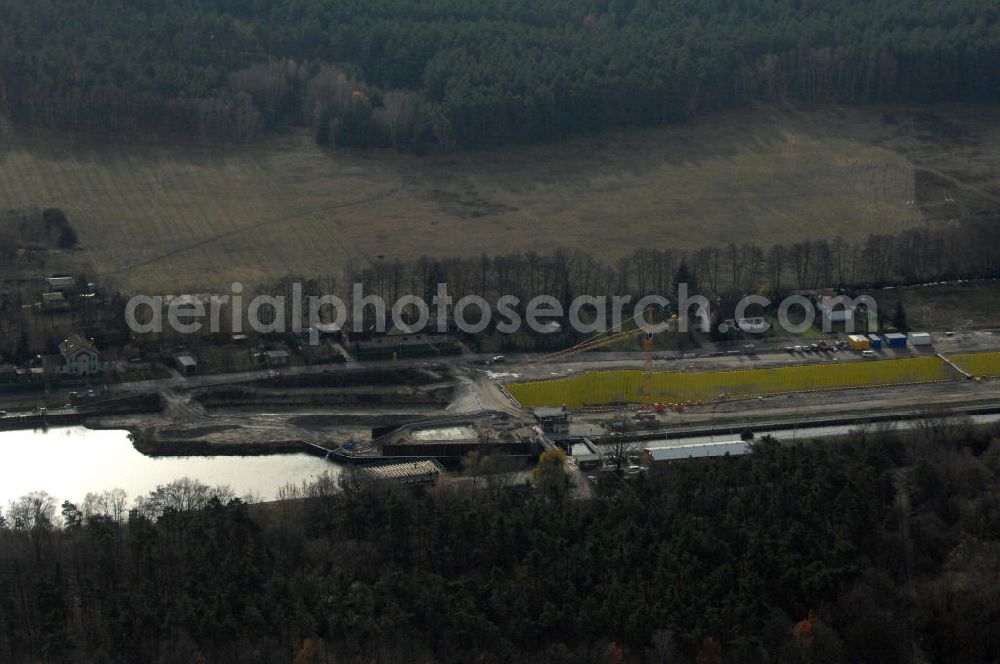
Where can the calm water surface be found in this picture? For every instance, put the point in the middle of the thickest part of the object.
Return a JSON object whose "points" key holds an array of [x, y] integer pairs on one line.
{"points": [[69, 462]]}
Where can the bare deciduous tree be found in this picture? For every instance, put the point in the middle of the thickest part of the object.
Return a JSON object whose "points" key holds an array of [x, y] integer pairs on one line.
{"points": [[397, 115], [619, 454], [112, 504], [33, 511]]}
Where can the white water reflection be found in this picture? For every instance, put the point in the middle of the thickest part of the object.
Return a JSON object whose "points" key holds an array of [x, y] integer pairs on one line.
{"points": [[69, 462]]}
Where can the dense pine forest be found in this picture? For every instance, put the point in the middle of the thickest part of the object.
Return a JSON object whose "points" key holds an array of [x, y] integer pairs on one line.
{"points": [[881, 548], [418, 74]]}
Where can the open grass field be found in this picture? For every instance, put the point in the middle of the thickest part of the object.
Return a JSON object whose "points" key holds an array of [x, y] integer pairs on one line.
{"points": [[951, 306], [979, 364], [165, 218], [605, 387]]}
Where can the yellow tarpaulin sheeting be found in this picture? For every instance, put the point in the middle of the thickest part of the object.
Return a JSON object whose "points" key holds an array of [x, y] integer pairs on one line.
{"points": [[979, 364], [604, 387]]}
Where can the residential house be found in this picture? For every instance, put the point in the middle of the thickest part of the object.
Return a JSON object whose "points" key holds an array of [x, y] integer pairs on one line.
{"points": [[77, 357]]}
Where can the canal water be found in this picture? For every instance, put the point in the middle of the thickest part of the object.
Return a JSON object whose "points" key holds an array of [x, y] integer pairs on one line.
{"points": [[793, 433], [69, 462]]}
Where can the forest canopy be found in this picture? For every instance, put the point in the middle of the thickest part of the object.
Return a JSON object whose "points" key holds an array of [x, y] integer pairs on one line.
{"points": [[878, 548], [416, 74]]}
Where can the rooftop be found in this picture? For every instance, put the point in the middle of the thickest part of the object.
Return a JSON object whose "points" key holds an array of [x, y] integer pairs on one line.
{"points": [[700, 451], [186, 361], [838, 301], [76, 343], [61, 281]]}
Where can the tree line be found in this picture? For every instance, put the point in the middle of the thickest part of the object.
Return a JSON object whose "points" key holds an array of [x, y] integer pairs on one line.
{"points": [[881, 547], [957, 250], [444, 72], [31, 228]]}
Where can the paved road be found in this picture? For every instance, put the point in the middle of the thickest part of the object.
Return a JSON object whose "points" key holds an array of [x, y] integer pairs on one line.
{"points": [[965, 341], [961, 342]]}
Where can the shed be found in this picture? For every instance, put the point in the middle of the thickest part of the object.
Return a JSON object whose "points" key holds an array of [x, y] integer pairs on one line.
{"points": [[895, 340], [875, 341], [920, 339], [55, 299], [550, 327], [61, 283], [278, 358], [187, 364]]}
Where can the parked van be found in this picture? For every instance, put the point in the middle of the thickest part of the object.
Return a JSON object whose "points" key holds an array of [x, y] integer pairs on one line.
{"points": [[869, 354]]}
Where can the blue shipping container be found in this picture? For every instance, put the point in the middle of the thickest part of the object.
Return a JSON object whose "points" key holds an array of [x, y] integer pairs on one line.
{"points": [[895, 340]]}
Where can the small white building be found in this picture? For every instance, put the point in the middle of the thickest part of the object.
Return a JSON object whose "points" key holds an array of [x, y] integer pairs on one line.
{"points": [[835, 309]]}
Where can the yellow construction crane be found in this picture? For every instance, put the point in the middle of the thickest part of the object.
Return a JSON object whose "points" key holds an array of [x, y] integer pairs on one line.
{"points": [[599, 342], [590, 344], [646, 329]]}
